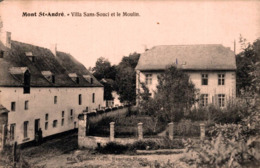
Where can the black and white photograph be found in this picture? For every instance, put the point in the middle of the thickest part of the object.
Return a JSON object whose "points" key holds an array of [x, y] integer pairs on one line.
{"points": [[129, 84]]}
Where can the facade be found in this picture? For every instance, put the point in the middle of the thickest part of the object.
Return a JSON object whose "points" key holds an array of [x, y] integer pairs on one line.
{"points": [[108, 87], [43, 88], [212, 69]]}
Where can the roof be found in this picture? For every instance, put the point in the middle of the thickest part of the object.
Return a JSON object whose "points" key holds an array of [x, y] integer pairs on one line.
{"points": [[3, 109], [45, 63], [188, 57]]}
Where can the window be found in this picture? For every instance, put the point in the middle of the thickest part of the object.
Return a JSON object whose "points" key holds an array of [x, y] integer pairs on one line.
{"points": [[221, 79], [26, 105], [62, 120], [27, 81], [204, 100], [204, 79], [80, 99], [55, 122], [1, 54], [46, 125], [148, 79], [12, 106], [93, 97], [46, 121], [46, 117], [25, 129], [77, 80], [55, 99], [91, 80], [12, 131], [71, 114], [53, 79], [221, 100]]}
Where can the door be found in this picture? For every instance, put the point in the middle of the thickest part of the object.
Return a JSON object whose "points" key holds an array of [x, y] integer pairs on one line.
{"points": [[36, 126]]}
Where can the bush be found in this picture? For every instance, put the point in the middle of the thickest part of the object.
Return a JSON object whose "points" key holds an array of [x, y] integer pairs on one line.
{"points": [[143, 145], [233, 113], [230, 146], [112, 148], [115, 148]]}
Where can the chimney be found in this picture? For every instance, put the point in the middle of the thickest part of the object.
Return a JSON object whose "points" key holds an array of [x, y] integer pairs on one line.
{"points": [[6, 38], [53, 49]]}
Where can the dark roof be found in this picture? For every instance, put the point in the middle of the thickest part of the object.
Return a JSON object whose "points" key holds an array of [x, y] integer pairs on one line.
{"points": [[3, 109], [188, 57], [60, 66]]}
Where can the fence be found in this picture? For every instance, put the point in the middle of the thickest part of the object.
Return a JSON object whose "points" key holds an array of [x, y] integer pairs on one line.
{"points": [[93, 141]]}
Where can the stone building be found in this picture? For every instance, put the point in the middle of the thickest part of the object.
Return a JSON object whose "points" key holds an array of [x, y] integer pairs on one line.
{"points": [[211, 67], [42, 88]]}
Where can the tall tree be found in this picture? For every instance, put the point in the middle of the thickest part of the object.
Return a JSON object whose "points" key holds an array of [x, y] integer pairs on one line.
{"points": [[245, 64], [102, 68], [175, 94], [126, 78]]}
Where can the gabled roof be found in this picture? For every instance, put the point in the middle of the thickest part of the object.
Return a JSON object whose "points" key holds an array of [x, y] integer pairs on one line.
{"points": [[188, 57], [3, 109], [60, 65]]}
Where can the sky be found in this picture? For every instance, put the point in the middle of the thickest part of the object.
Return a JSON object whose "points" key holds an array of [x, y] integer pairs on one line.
{"points": [[158, 23]]}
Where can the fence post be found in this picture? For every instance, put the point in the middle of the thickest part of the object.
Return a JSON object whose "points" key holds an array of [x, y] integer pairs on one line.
{"points": [[140, 131], [112, 131], [170, 126], [3, 137], [14, 154], [202, 131]]}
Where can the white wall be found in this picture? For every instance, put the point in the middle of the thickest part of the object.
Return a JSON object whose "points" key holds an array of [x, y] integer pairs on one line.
{"points": [[41, 102], [229, 89]]}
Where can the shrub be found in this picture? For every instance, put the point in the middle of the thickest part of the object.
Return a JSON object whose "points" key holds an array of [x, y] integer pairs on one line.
{"points": [[112, 148], [143, 145], [230, 146]]}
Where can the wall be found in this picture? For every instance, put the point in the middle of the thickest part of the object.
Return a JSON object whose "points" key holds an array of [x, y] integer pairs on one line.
{"points": [[41, 102], [229, 89]]}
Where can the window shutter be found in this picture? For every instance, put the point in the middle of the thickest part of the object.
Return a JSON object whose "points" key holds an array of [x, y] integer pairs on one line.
{"points": [[216, 100]]}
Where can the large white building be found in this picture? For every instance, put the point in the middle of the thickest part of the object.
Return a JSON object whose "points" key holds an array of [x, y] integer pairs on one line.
{"points": [[42, 88], [211, 67]]}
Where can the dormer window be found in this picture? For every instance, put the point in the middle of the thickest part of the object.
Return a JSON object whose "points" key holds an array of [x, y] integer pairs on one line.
{"points": [[23, 75], [49, 76], [88, 78], [74, 77], [30, 56], [1, 54]]}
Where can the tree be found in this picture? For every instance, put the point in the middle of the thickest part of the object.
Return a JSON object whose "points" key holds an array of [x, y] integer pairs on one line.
{"points": [[125, 82], [102, 68], [245, 64], [175, 94]]}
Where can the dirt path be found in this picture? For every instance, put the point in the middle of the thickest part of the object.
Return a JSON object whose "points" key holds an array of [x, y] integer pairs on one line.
{"points": [[84, 158]]}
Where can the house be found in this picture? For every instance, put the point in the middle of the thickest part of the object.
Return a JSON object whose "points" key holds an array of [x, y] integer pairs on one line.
{"points": [[42, 88], [211, 67], [110, 100]]}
